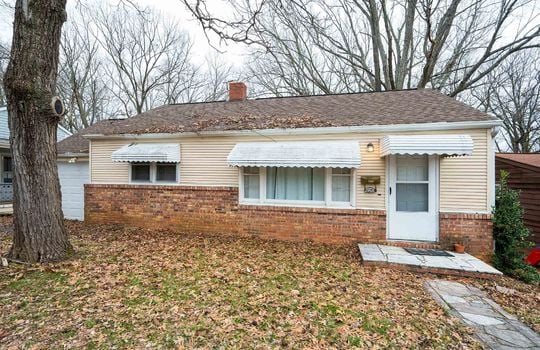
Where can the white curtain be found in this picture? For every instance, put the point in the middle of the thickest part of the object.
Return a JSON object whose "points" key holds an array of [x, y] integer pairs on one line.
{"points": [[251, 183], [341, 188], [295, 183]]}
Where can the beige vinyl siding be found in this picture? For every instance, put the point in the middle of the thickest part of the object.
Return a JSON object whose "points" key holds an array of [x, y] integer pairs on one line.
{"points": [[464, 180], [103, 170], [204, 163]]}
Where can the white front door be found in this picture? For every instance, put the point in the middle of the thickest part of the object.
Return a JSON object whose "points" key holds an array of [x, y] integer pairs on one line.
{"points": [[413, 198]]}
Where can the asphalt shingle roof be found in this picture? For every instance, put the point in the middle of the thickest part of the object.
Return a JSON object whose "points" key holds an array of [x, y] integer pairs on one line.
{"points": [[371, 108], [532, 159]]}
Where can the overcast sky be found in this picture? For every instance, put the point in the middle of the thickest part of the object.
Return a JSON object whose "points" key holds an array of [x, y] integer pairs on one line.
{"points": [[232, 52]]}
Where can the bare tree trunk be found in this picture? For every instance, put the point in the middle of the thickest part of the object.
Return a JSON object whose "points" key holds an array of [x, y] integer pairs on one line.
{"points": [[30, 83], [375, 38]]}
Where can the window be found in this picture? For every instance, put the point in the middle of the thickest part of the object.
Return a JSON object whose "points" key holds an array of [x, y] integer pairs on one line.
{"points": [[154, 172], [341, 185], [140, 172], [412, 184], [165, 172], [7, 174], [251, 183], [298, 186]]}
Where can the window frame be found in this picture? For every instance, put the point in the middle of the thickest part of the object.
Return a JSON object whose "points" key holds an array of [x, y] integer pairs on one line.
{"points": [[414, 182], [352, 189], [166, 182], [241, 189], [327, 203], [153, 174], [5, 172]]}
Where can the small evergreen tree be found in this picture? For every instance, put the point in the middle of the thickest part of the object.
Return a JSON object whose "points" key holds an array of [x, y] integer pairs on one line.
{"points": [[510, 234]]}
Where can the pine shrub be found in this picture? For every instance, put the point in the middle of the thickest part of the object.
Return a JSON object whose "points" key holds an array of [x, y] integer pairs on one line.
{"points": [[510, 234]]}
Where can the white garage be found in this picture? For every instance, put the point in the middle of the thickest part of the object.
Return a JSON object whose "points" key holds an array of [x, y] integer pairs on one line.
{"points": [[73, 175]]}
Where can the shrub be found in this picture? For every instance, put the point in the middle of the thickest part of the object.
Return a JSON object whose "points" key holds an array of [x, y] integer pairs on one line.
{"points": [[510, 234]]}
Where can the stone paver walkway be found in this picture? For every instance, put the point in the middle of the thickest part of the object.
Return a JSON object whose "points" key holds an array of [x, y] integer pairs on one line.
{"points": [[385, 254], [496, 328]]}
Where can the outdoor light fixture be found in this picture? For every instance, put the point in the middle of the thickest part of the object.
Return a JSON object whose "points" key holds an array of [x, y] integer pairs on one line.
{"points": [[370, 147]]}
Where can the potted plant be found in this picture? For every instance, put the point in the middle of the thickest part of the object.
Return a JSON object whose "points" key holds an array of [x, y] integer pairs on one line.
{"points": [[459, 248]]}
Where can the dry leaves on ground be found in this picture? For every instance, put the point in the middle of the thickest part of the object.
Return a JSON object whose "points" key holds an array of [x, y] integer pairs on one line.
{"points": [[133, 288]]}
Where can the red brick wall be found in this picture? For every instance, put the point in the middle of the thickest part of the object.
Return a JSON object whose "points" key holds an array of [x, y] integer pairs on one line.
{"points": [[473, 230], [216, 210]]}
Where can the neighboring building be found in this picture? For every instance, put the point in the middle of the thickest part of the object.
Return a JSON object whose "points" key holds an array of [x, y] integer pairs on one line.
{"points": [[62, 133], [73, 171], [524, 169], [6, 167], [6, 175], [414, 167]]}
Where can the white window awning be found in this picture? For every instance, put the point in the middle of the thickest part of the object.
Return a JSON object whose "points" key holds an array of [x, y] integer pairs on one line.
{"points": [[148, 152], [449, 145], [313, 154]]}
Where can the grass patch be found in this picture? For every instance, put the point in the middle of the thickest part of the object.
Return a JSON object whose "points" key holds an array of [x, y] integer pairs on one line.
{"points": [[37, 282], [137, 288]]}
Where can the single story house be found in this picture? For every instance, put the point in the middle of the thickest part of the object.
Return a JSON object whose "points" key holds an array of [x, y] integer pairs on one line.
{"points": [[413, 167], [6, 167], [524, 170]]}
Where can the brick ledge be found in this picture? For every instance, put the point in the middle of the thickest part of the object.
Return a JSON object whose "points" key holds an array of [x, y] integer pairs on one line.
{"points": [[318, 210], [162, 187], [461, 215]]}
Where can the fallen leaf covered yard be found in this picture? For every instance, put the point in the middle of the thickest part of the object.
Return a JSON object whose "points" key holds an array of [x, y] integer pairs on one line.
{"points": [[413, 167]]}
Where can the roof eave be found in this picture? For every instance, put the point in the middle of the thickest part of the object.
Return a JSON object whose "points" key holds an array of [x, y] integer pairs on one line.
{"points": [[313, 131], [71, 155], [517, 163]]}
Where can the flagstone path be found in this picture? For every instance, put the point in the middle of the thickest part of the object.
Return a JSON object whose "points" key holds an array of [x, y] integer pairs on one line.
{"points": [[457, 264], [496, 328]]}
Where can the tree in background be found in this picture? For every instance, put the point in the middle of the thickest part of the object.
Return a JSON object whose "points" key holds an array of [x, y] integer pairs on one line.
{"points": [[316, 46], [4, 59], [510, 234], [82, 78], [30, 83], [512, 93], [123, 60], [149, 56]]}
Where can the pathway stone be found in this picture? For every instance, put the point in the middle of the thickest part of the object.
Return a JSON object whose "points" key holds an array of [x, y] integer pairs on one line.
{"points": [[493, 326], [456, 263]]}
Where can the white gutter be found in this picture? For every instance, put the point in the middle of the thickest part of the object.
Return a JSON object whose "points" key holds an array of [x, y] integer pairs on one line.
{"points": [[70, 155], [312, 131]]}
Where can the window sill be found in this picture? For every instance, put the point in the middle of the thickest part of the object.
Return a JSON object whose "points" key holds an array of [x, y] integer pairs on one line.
{"points": [[157, 183], [296, 205]]}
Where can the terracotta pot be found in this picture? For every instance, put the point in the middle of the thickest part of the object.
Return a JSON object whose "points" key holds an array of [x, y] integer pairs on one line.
{"points": [[459, 248]]}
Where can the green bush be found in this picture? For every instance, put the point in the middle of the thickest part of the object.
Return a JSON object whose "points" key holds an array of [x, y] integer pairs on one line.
{"points": [[510, 234]]}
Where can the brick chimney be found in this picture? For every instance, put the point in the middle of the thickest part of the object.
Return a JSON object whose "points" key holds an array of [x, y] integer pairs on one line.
{"points": [[237, 91]]}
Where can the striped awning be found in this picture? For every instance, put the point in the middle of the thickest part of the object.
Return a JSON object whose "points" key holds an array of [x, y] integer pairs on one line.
{"points": [[448, 145], [313, 154], [148, 152]]}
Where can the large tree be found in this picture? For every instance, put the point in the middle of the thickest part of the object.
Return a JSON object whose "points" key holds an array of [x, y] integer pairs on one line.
{"points": [[329, 46], [30, 84]]}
